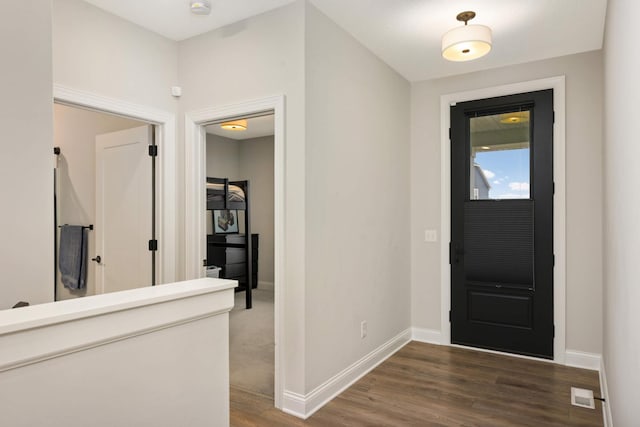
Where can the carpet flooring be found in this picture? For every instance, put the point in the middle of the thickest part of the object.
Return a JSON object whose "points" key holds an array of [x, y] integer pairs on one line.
{"points": [[251, 343]]}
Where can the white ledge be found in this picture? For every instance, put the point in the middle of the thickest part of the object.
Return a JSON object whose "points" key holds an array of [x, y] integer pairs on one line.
{"points": [[40, 332], [68, 310]]}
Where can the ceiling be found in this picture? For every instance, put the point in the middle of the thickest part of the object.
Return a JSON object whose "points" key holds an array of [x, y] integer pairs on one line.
{"points": [[174, 20], [406, 34], [256, 127]]}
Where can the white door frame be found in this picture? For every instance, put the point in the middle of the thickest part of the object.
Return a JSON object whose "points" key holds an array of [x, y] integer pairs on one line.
{"points": [[559, 200], [195, 195], [165, 168]]}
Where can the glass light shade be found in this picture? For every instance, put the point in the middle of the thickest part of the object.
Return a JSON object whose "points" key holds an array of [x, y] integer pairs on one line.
{"points": [[466, 43], [202, 7], [234, 125]]}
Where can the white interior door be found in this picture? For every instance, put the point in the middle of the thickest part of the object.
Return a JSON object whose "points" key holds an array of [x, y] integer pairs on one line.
{"points": [[123, 209]]}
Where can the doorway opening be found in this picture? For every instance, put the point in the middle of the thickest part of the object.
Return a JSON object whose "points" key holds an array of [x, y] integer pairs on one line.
{"points": [[166, 174], [199, 222], [105, 206], [240, 240], [559, 201]]}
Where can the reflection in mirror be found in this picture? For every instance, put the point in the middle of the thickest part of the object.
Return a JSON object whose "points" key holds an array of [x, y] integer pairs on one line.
{"points": [[500, 156]]}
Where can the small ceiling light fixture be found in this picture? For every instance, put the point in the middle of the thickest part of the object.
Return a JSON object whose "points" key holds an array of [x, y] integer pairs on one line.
{"points": [[468, 42], [201, 7], [515, 117], [235, 125]]}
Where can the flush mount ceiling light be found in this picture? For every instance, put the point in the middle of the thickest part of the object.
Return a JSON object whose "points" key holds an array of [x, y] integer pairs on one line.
{"points": [[515, 117], [468, 42], [236, 125], [201, 7]]}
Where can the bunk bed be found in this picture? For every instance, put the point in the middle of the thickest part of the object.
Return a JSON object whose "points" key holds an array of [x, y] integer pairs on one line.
{"points": [[227, 244]]}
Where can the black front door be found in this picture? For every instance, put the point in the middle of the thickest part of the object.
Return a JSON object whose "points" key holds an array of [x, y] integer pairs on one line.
{"points": [[502, 223]]}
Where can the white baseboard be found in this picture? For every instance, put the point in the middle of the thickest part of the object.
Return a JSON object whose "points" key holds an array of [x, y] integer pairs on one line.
{"points": [[293, 404], [266, 286], [430, 336], [305, 406], [604, 393], [581, 359]]}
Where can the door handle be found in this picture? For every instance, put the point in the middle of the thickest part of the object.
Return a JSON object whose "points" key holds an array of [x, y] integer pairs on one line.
{"points": [[97, 259], [455, 252]]}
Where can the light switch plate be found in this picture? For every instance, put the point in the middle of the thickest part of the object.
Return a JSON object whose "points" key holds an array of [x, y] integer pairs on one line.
{"points": [[430, 235]]}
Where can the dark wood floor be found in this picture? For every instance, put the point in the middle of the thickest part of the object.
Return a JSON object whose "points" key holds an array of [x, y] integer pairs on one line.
{"points": [[429, 385]]}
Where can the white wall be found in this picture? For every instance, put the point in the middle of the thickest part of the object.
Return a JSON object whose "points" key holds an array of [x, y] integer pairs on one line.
{"points": [[621, 211], [252, 160], [259, 57], [101, 53], [584, 89], [74, 131], [357, 190], [26, 163]]}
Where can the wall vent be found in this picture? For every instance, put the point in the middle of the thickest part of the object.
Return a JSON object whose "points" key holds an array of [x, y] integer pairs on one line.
{"points": [[582, 397]]}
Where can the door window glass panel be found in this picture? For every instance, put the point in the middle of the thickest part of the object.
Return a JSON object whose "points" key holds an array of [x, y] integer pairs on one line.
{"points": [[500, 156]]}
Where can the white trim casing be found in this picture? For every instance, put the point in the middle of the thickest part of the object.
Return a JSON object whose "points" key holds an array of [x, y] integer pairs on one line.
{"points": [[305, 406], [559, 200], [166, 168], [195, 196]]}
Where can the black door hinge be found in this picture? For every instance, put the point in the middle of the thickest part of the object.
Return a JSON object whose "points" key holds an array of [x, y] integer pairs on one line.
{"points": [[449, 316], [449, 134], [204, 262], [153, 150], [153, 245]]}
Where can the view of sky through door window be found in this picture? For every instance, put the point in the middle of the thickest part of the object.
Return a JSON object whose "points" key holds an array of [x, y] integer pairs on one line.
{"points": [[500, 156]]}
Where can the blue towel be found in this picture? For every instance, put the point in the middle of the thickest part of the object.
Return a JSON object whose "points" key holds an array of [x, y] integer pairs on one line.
{"points": [[73, 256]]}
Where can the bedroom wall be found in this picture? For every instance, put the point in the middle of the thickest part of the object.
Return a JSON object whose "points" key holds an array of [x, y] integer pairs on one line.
{"points": [[260, 57], [621, 212], [357, 164], [584, 95], [223, 157], [74, 131], [26, 164], [256, 165]]}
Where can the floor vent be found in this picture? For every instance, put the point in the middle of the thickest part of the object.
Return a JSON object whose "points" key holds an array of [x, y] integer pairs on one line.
{"points": [[582, 397]]}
